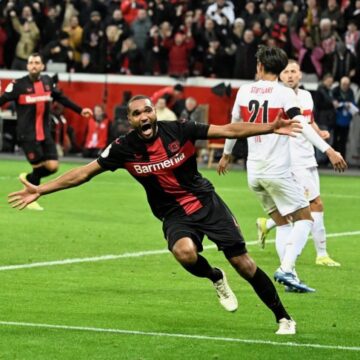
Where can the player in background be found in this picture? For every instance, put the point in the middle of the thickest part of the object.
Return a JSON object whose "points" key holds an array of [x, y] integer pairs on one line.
{"points": [[304, 170], [33, 95], [268, 163], [161, 155]]}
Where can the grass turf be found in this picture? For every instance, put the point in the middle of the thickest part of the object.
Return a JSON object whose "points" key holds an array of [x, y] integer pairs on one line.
{"points": [[152, 293]]}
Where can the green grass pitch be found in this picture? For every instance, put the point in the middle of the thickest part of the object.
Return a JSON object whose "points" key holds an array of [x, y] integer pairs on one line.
{"points": [[146, 306]]}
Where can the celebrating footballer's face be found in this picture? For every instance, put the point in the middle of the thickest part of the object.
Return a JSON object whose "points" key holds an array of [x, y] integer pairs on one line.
{"points": [[291, 75], [35, 66], [142, 117]]}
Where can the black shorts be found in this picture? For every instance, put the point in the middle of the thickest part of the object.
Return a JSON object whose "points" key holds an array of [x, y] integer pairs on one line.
{"points": [[39, 151], [214, 220]]}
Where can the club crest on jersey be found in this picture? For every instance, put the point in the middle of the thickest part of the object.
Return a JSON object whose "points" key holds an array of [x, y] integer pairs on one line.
{"points": [[174, 146]]}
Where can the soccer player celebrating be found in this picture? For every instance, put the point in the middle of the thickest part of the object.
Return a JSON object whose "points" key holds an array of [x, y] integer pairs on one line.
{"points": [[304, 169], [268, 164], [161, 155], [33, 95]]}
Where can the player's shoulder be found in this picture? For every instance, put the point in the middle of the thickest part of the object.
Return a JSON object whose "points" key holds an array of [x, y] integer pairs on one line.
{"points": [[304, 93]]}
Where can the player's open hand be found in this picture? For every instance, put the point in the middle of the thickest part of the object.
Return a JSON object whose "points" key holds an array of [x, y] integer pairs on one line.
{"points": [[336, 159], [286, 127], [223, 164], [20, 199], [86, 112]]}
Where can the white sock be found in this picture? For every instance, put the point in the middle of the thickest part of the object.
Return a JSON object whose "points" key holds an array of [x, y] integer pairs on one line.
{"points": [[319, 234], [295, 243], [282, 234], [270, 223]]}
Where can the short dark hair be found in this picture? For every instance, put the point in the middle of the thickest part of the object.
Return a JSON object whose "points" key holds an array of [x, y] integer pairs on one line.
{"points": [[134, 98], [273, 59], [36, 54]]}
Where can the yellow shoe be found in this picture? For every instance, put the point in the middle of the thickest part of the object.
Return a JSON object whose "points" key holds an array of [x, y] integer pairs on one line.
{"points": [[262, 231], [326, 261], [35, 206]]}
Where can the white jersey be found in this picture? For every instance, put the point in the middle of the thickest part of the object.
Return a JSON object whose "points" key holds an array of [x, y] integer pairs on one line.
{"points": [[260, 102], [301, 150]]}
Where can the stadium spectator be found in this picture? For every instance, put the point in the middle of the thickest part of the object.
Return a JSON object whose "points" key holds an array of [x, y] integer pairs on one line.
{"points": [[186, 203], [352, 36], [140, 28], [50, 24], [179, 48], [33, 94], [157, 54], [281, 34], [309, 55], [333, 13], [29, 37], [238, 30], [327, 40], [59, 51], [160, 11], [249, 13], [343, 62], [131, 59], [85, 65], [113, 45], [162, 111], [244, 65], [97, 133], [118, 20], [174, 97], [121, 125], [94, 41], [75, 32], [345, 109]]}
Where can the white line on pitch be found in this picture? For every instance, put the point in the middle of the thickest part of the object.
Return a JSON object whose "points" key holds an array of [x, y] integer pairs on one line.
{"points": [[184, 336], [130, 255]]}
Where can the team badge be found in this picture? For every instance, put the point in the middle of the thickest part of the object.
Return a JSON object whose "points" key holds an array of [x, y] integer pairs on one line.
{"points": [[31, 156], [174, 146], [138, 156]]}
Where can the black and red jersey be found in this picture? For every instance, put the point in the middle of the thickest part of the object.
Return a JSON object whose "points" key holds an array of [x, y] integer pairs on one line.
{"points": [[33, 99], [166, 167]]}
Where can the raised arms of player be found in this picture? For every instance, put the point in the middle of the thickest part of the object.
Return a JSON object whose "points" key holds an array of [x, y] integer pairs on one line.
{"points": [[75, 177]]}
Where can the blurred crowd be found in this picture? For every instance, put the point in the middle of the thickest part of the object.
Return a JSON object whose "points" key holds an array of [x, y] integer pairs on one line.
{"points": [[181, 38]]}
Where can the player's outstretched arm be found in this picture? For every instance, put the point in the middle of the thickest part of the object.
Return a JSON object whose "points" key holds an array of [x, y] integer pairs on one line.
{"points": [[243, 130], [75, 177]]}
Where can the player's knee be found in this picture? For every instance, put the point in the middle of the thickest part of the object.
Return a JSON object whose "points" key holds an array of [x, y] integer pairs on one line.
{"points": [[52, 167], [244, 265], [185, 253]]}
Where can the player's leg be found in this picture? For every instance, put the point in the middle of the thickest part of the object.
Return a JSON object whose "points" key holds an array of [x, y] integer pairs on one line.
{"points": [[263, 226], [184, 241], [283, 231], [264, 288], [186, 253], [43, 159], [287, 195], [319, 234]]}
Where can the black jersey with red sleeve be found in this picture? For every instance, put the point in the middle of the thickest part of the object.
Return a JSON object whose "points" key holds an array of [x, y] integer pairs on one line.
{"points": [[166, 167], [33, 99]]}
